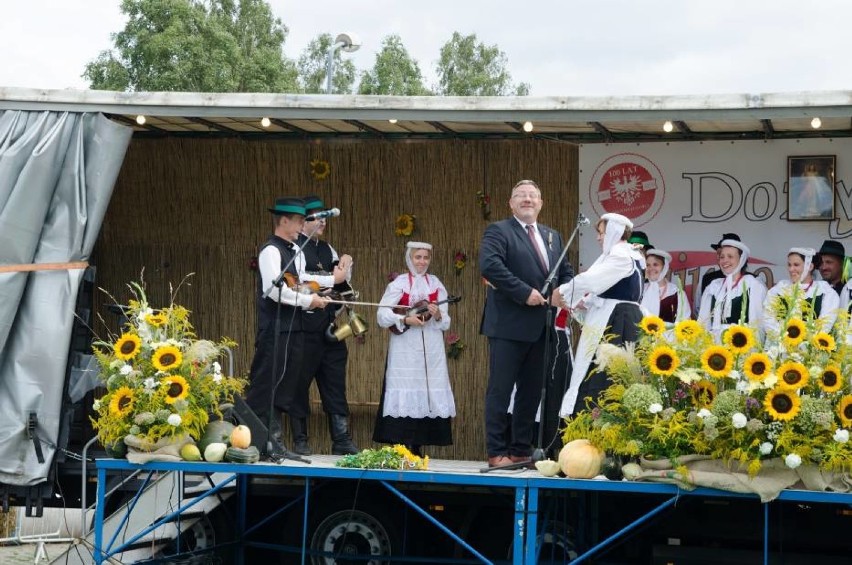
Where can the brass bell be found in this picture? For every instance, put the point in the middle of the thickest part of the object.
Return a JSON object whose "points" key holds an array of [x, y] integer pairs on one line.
{"points": [[357, 323], [344, 331]]}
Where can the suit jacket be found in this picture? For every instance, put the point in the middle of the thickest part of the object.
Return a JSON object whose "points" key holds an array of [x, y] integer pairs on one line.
{"points": [[508, 261]]}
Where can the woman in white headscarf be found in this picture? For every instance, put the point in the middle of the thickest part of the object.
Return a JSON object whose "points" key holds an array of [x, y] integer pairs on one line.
{"points": [[605, 300], [735, 299], [417, 399], [820, 295], [661, 297]]}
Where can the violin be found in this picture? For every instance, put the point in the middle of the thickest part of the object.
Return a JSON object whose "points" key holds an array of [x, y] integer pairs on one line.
{"points": [[421, 310], [341, 291]]}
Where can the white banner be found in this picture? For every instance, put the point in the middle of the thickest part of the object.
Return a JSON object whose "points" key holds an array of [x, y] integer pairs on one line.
{"points": [[685, 195]]}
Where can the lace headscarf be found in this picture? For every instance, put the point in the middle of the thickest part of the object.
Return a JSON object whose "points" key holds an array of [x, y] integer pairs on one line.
{"points": [[419, 281], [808, 254]]}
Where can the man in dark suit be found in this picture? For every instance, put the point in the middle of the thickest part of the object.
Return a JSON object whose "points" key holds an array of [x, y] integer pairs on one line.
{"points": [[515, 258]]}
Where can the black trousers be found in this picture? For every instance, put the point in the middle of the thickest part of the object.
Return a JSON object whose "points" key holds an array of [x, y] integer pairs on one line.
{"points": [[325, 362], [512, 364], [284, 384]]}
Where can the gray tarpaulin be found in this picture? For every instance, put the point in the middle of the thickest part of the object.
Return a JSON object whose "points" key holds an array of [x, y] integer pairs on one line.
{"points": [[57, 172]]}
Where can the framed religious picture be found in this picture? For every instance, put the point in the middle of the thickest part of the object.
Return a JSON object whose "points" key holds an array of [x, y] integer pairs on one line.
{"points": [[810, 187]]}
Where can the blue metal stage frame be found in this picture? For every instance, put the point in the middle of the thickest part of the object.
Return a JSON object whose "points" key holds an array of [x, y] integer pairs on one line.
{"points": [[528, 489]]}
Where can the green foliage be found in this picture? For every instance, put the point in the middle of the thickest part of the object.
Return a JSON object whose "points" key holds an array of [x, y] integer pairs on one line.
{"points": [[313, 67], [394, 72], [396, 457], [195, 46], [467, 67]]}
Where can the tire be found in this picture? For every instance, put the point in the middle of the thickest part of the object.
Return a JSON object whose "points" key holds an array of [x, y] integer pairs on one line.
{"points": [[345, 533]]}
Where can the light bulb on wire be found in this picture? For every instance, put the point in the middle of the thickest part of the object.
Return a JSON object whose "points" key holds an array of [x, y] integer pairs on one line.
{"points": [[528, 126], [668, 126], [265, 122], [816, 123]]}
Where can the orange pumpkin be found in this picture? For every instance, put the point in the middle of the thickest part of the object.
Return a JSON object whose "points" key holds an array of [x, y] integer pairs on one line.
{"points": [[241, 437]]}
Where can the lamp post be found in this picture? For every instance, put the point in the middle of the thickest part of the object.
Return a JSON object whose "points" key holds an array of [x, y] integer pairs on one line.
{"points": [[347, 42]]}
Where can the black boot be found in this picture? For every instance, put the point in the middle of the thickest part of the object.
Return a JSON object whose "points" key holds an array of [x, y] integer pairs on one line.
{"points": [[341, 440], [299, 428]]}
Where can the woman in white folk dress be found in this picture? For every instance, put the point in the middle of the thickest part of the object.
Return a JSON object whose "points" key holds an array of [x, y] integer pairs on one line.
{"points": [[417, 400], [822, 299], [662, 297], [735, 299], [605, 300]]}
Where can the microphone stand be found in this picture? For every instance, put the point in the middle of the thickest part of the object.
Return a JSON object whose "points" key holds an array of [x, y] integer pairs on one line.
{"points": [[538, 453], [274, 449]]}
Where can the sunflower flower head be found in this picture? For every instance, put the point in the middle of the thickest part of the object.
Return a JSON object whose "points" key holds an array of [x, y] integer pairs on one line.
{"points": [[757, 367], [703, 393], [739, 339], [795, 332], [122, 401], [176, 388], [688, 330], [404, 225], [824, 341], [156, 319], [844, 410], [663, 361], [653, 325], [793, 375], [782, 404], [831, 378], [127, 346], [167, 358], [717, 361]]}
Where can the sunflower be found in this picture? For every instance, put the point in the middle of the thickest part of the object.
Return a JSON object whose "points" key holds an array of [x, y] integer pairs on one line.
{"points": [[156, 320], [717, 361], [757, 366], [176, 388], [122, 401], [320, 169], [792, 375], [653, 325], [167, 357], [739, 339], [844, 410], [823, 342], [127, 346], [794, 333], [663, 360], [404, 225], [831, 379], [688, 330], [782, 404], [703, 393]]}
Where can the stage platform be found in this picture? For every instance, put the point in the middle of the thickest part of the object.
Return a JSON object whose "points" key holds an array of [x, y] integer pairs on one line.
{"points": [[527, 487]]}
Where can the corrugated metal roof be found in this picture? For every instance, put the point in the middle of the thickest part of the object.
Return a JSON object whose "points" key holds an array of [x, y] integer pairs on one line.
{"points": [[577, 119]]}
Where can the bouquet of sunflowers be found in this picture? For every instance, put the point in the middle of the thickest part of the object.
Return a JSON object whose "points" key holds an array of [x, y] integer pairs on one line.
{"points": [[161, 381], [677, 392]]}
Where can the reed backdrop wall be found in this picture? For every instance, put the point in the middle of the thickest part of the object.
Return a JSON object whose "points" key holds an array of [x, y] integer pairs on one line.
{"points": [[199, 206]]}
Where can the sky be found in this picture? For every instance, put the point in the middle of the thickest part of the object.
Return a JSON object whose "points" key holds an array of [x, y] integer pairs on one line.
{"points": [[561, 48]]}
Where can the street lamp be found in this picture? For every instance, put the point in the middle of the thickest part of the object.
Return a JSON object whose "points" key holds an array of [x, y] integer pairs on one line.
{"points": [[347, 42]]}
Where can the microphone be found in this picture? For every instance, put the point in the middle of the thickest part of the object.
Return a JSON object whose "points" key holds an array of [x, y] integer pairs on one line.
{"points": [[333, 213], [583, 220]]}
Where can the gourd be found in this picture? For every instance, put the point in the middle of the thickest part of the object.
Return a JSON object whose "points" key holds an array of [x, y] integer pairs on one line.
{"points": [[217, 431], [249, 454], [241, 437], [547, 467], [215, 452], [580, 459]]}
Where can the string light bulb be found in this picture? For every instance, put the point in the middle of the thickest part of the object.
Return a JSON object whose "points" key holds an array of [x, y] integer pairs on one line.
{"points": [[393, 120], [668, 126], [140, 119], [816, 123], [265, 122], [528, 126]]}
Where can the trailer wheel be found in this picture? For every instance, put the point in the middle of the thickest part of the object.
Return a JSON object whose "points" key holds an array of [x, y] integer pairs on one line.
{"points": [[346, 533]]}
